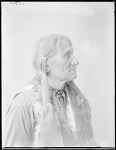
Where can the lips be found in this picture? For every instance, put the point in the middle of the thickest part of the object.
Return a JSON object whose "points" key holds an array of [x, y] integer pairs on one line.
{"points": [[72, 69]]}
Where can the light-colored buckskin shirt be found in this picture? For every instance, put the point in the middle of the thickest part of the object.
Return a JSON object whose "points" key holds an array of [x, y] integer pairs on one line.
{"points": [[23, 119]]}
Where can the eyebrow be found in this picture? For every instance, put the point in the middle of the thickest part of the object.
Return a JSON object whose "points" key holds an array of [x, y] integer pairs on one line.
{"points": [[68, 50]]}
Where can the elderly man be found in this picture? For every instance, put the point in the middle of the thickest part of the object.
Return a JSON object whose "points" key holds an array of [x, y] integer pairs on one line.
{"points": [[51, 110]]}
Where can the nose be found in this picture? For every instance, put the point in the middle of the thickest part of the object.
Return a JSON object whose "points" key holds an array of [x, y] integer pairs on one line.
{"points": [[74, 61]]}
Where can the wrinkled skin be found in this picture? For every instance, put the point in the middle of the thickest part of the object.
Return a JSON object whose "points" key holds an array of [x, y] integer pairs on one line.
{"points": [[63, 65]]}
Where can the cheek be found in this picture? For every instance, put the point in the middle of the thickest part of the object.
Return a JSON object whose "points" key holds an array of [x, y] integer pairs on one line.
{"points": [[55, 68], [60, 69], [65, 71], [66, 67]]}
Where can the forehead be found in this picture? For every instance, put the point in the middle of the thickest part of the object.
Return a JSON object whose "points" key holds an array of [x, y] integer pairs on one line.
{"points": [[65, 50], [68, 49]]}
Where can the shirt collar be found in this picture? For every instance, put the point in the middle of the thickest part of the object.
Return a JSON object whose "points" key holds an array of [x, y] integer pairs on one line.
{"points": [[57, 92]]}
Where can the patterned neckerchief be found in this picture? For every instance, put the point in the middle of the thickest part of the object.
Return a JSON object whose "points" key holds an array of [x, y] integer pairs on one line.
{"points": [[60, 94]]}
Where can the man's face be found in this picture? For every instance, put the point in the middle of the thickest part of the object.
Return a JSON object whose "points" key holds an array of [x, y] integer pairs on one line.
{"points": [[62, 66]]}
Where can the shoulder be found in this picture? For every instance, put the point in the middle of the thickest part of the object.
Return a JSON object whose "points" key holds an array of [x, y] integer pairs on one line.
{"points": [[29, 94], [20, 99], [18, 104], [33, 92]]}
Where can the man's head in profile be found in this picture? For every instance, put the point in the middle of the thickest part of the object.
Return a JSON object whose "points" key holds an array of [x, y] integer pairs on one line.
{"points": [[53, 55]]}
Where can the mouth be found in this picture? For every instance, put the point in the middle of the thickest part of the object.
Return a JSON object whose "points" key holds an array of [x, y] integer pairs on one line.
{"points": [[73, 69]]}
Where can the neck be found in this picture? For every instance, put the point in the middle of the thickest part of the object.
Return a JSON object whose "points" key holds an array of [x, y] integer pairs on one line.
{"points": [[54, 83]]}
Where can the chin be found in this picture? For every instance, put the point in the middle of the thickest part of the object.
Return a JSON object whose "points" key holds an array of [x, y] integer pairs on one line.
{"points": [[73, 77]]}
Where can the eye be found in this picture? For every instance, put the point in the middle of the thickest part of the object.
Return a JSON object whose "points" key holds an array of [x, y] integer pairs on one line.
{"points": [[68, 56]]}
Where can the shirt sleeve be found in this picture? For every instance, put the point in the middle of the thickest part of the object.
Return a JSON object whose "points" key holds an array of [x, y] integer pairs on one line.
{"points": [[19, 130]]}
